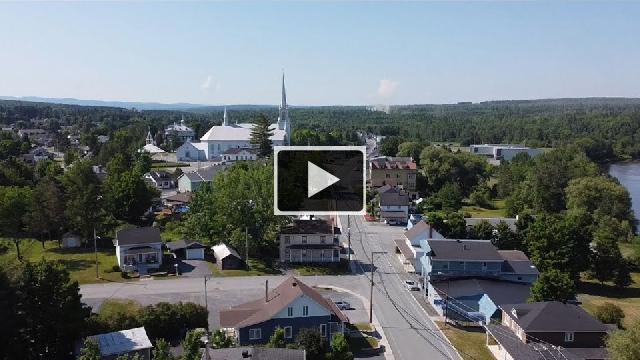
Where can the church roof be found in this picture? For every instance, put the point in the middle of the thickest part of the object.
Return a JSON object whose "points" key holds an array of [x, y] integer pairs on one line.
{"points": [[151, 149], [239, 132]]}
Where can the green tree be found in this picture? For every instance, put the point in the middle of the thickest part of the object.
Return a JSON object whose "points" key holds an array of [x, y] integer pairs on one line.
{"points": [[46, 209], [161, 350], [605, 250], [389, 146], [90, 351], [411, 149], [481, 196], [261, 136], [127, 196], [624, 344], [553, 285], [191, 345], [610, 313], [448, 198], [82, 206], [277, 339], [220, 340], [339, 349], [506, 239], [600, 196], [14, 207], [440, 166], [311, 341], [483, 230]]}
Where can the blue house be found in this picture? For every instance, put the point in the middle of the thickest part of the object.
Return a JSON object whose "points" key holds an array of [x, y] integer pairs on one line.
{"points": [[292, 306]]}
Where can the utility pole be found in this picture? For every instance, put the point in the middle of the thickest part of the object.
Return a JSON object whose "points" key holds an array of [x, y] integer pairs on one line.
{"points": [[349, 238], [206, 302], [373, 253], [95, 250], [246, 247]]}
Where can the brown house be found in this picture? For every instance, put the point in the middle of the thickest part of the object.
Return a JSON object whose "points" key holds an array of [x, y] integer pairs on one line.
{"points": [[565, 330], [394, 171]]}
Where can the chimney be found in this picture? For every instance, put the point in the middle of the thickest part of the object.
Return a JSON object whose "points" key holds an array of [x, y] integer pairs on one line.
{"points": [[430, 231], [266, 291]]}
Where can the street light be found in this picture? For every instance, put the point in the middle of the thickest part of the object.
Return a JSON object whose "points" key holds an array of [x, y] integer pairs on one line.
{"points": [[206, 302], [95, 242], [349, 238], [373, 253]]}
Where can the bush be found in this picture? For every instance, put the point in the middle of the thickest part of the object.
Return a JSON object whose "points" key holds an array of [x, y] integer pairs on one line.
{"points": [[610, 313], [116, 268]]}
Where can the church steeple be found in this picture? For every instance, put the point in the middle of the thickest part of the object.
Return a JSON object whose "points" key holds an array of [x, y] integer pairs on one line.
{"points": [[283, 116], [225, 118], [149, 139]]}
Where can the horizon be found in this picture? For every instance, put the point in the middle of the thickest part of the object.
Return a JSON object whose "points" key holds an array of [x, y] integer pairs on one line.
{"points": [[333, 54]]}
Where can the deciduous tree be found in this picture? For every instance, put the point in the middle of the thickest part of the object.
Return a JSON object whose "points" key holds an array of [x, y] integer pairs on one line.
{"points": [[553, 285]]}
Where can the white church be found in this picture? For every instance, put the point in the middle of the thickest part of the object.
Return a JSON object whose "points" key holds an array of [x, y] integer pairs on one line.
{"points": [[227, 138]]}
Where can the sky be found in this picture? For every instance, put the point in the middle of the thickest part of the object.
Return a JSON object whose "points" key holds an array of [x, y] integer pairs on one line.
{"points": [[333, 53]]}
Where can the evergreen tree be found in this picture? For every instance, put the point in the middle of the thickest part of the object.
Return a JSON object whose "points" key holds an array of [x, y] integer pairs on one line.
{"points": [[261, 136], [14, 207]]}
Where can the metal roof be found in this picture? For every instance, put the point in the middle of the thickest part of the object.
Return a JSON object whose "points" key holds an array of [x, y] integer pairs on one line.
{"points": [[120, 342]]}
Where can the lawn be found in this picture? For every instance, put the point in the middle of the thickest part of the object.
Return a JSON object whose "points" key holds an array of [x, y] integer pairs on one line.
{"points": [[592, 294], [340, 268], [470, 342], [358, 344], [256, 268], [498, 210], [79, 262]]}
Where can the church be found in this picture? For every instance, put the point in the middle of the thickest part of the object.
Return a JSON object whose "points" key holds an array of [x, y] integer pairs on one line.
{"points": [[228, 138]]}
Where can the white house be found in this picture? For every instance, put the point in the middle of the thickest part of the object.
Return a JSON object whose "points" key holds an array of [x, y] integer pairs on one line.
{"points": [[499, 152], [239, 154], [221, 138], [408, 248], [159, 179], [139, 249], [181, 132]]}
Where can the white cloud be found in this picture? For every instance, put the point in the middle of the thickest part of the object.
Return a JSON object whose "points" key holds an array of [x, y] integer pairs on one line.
{"points": [[387, 88], [206, 84]]}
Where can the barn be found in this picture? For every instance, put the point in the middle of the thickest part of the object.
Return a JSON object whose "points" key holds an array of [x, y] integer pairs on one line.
{"points": [[187, 249]]}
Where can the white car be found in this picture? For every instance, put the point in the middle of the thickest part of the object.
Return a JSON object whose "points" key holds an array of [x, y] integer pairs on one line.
{"points": [[342, 305], [411, 285]]}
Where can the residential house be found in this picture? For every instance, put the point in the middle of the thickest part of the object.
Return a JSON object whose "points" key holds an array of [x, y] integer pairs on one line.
{"points": [[37, 154], [398, 172], [253, 353], [310, 241], [529, 330], [181, 132], [451, 258], [159, 179], [239, 154], [187, 249], [190, 151], [190, 181], [292, 306], [179, 202], [139, 249], [413, 220], [393, 205], [129, 342], [499, 152], [227, 258], [408, 248]]}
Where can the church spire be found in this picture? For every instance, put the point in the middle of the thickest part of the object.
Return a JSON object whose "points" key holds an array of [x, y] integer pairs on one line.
{"points": [[283, 102], [283, 116], [225, 118], [149, 139]]}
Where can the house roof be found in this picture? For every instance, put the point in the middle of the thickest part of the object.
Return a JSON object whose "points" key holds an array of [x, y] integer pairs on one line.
{"points": [[261, 310], [403, 163], [417, 229], [184, 244], [240, 132], [120, 342], [140, 235], [472, 250], [237, 151], [184, 197], [515, 261], [314, 226], [500, 292], [553, 316], [204, 174], [159, 175], [393, 196], [223, 250], [151, 149], [404, 248], [255, 353], [511, 222], [523, 351]]}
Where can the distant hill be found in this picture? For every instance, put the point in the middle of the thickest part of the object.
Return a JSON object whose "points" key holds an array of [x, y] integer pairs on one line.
{"points": [[118, 104]]}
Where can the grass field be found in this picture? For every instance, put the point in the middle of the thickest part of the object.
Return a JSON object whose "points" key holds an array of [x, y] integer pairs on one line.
{"points": [[470, 344], [498, 210], [319, 269], [79, 262], [256, 268], [592, 294]]}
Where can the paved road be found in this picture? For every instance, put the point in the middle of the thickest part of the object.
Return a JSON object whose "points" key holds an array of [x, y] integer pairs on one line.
{"points": [[407, 327]]}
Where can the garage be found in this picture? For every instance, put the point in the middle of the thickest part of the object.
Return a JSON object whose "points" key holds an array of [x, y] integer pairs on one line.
{"points": [[187, 249]]}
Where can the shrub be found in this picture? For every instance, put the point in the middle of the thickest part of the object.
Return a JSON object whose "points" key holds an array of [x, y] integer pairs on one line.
{"points": [[116, 268], [610, 313]]}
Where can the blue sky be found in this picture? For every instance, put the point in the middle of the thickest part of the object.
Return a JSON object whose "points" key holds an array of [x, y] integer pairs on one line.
{"points": [[332, 52]]}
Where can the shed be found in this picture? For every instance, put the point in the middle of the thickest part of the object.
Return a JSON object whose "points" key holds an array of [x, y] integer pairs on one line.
{"points": [[187, 249], [125, 342], [227, 257]]}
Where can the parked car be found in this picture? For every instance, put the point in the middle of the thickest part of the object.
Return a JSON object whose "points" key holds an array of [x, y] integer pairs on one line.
{"points": [[411, 285], [342, 305]]}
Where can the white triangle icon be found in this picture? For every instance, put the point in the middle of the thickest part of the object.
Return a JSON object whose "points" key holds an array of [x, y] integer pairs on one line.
{"points": [[318, 179]]}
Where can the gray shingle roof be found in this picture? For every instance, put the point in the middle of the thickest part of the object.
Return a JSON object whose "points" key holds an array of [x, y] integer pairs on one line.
{"points": [[516, 261], [141, 235], [500, 292], [315, 226], [204, 174], [553, 316], [184, 244], [522, 351], [478, 250]]}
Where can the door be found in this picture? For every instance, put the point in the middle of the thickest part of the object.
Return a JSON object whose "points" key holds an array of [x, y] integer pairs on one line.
{"points": [[195, 254]]}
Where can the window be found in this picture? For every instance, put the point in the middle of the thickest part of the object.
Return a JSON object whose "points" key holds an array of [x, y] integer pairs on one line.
{"points": [[288, 332], [323, 330], [305, 310], [255, 334], [287, 239], [289, 311], [387, 176], [397, 176], [304, 252], [322, 239], [568, 337], [304, 239]]}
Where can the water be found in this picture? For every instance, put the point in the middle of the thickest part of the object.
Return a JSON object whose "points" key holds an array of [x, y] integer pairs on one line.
{"points": [[628, 173]]}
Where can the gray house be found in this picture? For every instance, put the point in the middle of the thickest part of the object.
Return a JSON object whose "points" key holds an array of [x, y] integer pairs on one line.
{"points": [[191, 181], [292, 306]]}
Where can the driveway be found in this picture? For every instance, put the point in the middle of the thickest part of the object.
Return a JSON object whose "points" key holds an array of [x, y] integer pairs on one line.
{"points": [[194, 268]]}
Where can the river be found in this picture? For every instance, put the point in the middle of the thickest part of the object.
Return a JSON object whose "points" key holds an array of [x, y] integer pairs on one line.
{"points": [[628, 173]]}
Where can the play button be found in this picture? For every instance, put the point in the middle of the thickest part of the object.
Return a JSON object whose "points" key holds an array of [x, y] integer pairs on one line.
{"points": [[318, 179]]}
